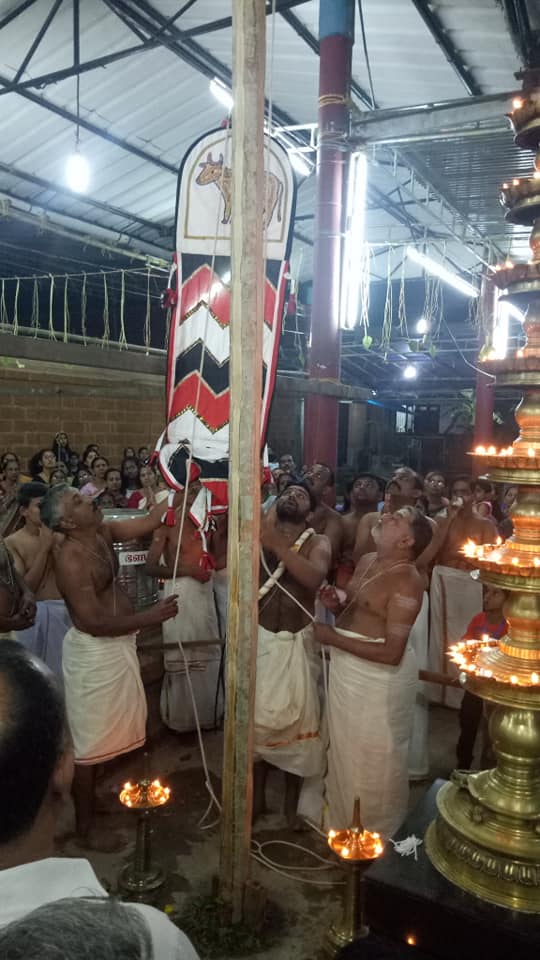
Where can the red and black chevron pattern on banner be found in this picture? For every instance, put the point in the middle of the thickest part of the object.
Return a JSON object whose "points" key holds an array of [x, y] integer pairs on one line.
{"points": [[198, 369]]}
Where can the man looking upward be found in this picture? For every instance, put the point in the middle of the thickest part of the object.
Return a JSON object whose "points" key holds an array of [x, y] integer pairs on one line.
{"points": [[403, 490], [320, 479], [105, 699], [374, 675], [365, 492], [294, 563]]}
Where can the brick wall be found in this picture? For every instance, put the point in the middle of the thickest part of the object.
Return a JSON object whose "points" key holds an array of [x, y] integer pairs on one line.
{"points": [[111, 408]]}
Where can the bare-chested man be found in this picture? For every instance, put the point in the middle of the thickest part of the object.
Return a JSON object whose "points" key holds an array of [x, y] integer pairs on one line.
{"points": [[105, 698], [320, 478], [294, 562], [17, 604], [374, 675], [195, 626], [455, 597], [365, 492], [403, 490], [32, 549]]}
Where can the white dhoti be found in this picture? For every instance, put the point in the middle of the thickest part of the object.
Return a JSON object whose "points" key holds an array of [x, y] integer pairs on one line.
{"points": [[370, 708], [419, 743], [454, 599], [46, 637], [196, 628], [105, 698], [287, 707]]}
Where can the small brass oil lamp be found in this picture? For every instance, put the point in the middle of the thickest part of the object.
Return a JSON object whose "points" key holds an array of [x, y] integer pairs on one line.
{"points": [[142, 876], [356, 848]]}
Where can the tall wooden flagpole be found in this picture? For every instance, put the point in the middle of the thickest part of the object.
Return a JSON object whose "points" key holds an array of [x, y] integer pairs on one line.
{"points": [[247, 304]]}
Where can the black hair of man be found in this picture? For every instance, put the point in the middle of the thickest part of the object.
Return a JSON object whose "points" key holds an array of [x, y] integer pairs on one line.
{"points": [[462, 478], [422, 532], [331, 474], [30, 491], [418, 481], [303, 486], [367, 476], [112, 470], [32, 730], [435, 473]]}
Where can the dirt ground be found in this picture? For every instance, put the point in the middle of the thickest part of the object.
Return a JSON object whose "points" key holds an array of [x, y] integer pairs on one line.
{"points": [[189, 851]]}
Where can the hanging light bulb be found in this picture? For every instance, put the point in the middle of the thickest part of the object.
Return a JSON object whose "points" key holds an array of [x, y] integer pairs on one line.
{"points": [[422, 326], [410, 372], [77, 168], [77, 171]]}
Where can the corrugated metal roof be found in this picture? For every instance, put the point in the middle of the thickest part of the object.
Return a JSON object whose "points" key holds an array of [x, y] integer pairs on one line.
{"points": [[159, 104]]}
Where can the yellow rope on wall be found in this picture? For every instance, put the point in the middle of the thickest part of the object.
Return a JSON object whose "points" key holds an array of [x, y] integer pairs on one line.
{"points": [[16, 308], [106, 327], [52, 334], [83, 308], [66, 311]]}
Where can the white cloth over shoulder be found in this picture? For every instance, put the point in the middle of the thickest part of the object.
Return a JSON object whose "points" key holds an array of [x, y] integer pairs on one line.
{"points": [[419, 745], [455, 598], [370, 707], [105, 698], [31, 885], [46, 637], [196, 627], [287, 707]]}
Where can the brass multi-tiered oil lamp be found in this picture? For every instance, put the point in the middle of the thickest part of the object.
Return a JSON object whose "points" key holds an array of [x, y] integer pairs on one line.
{"points": [[486, 838]]}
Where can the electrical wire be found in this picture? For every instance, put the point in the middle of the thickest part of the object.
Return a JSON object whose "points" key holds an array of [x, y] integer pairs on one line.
{"points": [[366, 54], [464, 358]]}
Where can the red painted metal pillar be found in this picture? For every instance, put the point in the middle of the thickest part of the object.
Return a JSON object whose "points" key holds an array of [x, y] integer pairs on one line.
{"points": [[485, 386], [336, 32]]}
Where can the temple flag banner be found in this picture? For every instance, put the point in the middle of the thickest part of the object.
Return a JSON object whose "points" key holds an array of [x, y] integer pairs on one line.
{"points": [[198, 398]]}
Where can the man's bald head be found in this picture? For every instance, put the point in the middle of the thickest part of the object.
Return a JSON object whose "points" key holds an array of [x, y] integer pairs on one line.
{"points": [[32, 738]]}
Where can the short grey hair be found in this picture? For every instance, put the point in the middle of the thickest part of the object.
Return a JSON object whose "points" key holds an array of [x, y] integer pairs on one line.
{"points": [[92, 928], [51, 508]]}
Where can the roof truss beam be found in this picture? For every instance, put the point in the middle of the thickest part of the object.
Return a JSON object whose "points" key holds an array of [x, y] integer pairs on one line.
{"points": [[444, 41], [225, 22], [425, 119], [93, 128], [16, 13], [38, 38], [144, 15], [163, 233], [57, 75]]}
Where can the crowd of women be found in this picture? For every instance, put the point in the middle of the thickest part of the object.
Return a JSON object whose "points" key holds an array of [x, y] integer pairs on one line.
{"points": [[134, 483]]}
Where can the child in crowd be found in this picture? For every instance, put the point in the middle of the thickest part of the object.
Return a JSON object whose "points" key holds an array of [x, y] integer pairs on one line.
{"points": [[490, 622]]}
